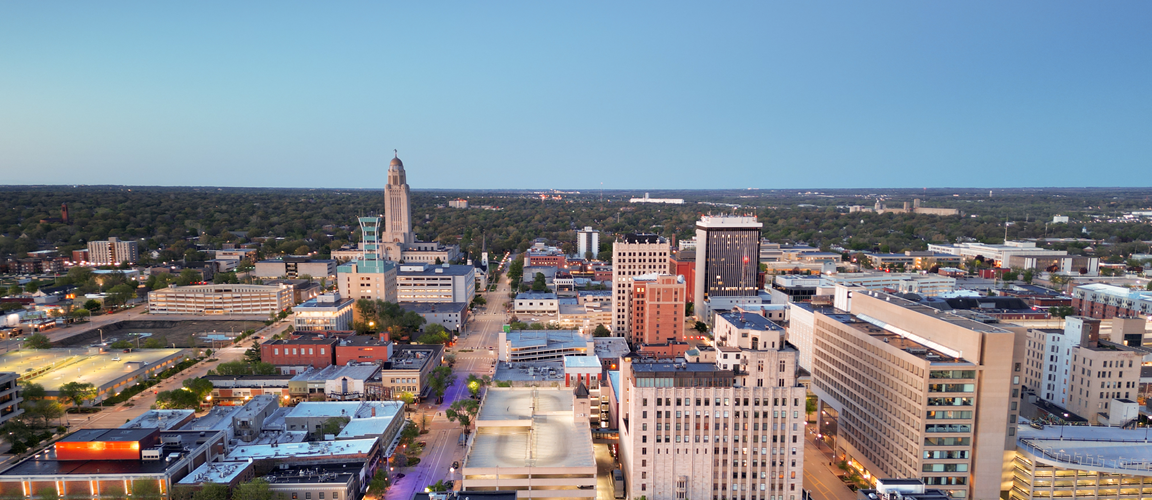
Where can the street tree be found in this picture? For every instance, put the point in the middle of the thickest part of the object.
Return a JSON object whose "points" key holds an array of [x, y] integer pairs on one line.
{"points": [[463, 411], [440, 380], [38, 341], [76, 393]]}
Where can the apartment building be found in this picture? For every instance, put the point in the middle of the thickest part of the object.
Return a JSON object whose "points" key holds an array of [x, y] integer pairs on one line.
{"points": [[657, 308], [913, 392], [1099, 300], [113, 251], [220, 299], [727, 253], [587, 243], [1102, 371], [633, 255], [294, 267]]}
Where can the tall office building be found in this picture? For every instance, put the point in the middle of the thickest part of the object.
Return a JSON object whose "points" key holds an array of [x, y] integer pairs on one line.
{"points": [[633, 255], [657, 308], [398, 211], [727, 259], [914, 392], [587, 243], [728, 430], [113, 251]]}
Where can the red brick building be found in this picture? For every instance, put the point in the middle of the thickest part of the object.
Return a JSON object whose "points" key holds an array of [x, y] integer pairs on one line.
{"points": [[309, 351], [657, 308], [666, 350], [683, 263], [547, 259], [363, 349]]}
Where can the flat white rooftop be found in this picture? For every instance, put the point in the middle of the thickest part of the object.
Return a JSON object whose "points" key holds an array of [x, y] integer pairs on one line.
{"points": [[313, 449], [529, 427], [215, 472]]}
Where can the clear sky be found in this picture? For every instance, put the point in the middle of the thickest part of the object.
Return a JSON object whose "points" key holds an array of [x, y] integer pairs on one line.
{"points": [[767, 94]]}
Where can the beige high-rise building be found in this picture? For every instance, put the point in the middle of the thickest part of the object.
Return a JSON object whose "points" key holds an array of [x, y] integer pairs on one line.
{"points": [[1102, 371], [728, 430], [398, 212], [913, 392], [113, 251], [633, 255]]}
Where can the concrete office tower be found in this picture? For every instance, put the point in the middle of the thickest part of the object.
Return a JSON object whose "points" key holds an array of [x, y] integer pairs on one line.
{"points": [[727, 253], [913, 392], [723, 430], [113, 251], [587, 240], [657, 308], [398, 211], [633, 255]]}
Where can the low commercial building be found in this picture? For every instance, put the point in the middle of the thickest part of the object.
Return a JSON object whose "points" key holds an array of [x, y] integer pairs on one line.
{"points": [[408, 370], [295, 267], [165, 420], [295, 355], [535, 441], [220, 299], [326, 312], [516, 346], [451, 315], [590, 314], [536, 303], [912, 260], [318, 481], [435, 283], [354, 382], [360, 419], [363, 349], [93, 463], [234, 390], [429, 252], [1023, 254]]}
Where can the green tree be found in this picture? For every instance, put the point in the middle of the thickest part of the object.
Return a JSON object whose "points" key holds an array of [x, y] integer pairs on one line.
{"points": [[539, 283], [256, 489], [153, 343], [121, 293], [147, 489], [198, 386], [38, 341], [176, 400], [76, 393], [1061, 311], [1027, 275], [32, 286], [601, 331], [80, 314], [408, 398], [121, 344], [701, 327], [440, 380], [434, 334], [211, 491], [48, 493], [92, 305]]}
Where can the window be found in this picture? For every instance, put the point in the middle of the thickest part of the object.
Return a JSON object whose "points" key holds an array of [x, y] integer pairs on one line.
{"points": [[308, 495]]}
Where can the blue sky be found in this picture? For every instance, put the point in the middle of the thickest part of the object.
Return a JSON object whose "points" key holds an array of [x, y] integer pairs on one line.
{"points": [[646, 95]]}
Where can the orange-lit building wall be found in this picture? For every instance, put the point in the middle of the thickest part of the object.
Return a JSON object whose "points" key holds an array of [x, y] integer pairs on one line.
{"points": [[98, 450]]}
